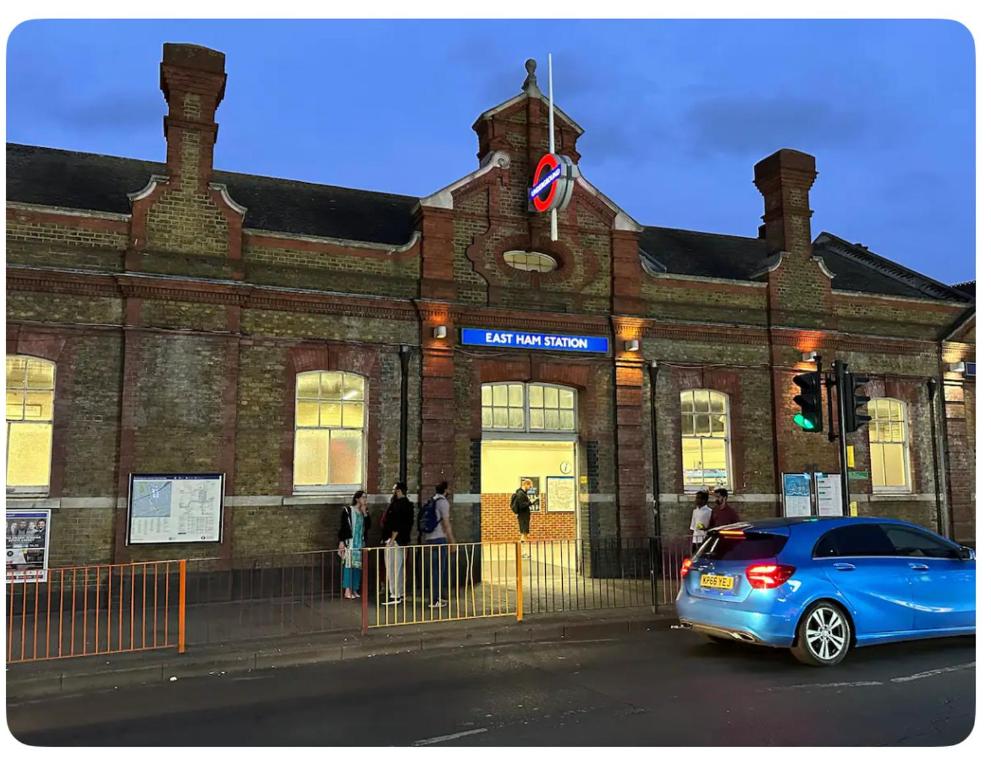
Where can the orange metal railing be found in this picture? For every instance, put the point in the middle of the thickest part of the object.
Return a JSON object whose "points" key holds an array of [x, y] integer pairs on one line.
{"points": [[90, 610]]}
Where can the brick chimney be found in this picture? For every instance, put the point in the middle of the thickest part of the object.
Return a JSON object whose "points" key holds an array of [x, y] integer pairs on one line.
{"points": [[193, 80], [784, 179]]}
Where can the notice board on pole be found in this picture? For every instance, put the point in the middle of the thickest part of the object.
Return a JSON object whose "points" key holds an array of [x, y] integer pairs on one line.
{"points": [[829, 495], [172, 509], [797, 494]]}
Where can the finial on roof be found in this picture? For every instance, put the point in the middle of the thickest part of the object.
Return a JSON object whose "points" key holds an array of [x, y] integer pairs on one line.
{"points": [[530, 87]]}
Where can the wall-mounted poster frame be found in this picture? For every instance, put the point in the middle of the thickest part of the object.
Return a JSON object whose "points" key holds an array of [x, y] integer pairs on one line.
{"points": [[560, 494], [28, 532], [175, 508]]}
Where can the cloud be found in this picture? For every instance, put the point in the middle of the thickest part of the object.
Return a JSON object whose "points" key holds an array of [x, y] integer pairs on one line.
{"points": [[107, 112]]}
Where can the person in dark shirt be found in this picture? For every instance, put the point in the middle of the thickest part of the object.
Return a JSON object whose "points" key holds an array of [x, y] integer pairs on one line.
{"points": [[396, 529], [722, 512]]}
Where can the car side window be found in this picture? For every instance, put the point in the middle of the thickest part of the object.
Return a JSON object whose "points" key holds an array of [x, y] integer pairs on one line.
{"points": [[862, 540], [909, 542]]}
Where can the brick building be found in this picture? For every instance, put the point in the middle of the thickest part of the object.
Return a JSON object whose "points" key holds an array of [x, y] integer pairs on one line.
{"points": [[174, 318]]}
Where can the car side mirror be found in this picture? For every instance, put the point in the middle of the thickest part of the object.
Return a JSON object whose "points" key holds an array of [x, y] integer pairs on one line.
{"points": [[966, 553]]}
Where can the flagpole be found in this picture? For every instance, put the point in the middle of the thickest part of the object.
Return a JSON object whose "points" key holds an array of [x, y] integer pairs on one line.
{"points": [[550, 125]]}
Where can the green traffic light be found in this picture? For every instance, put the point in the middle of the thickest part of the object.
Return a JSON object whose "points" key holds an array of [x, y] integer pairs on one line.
{"points": [[803, 422]]}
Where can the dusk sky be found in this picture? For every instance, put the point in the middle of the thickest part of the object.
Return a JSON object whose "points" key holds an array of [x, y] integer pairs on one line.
{"points": [[675, 113]]}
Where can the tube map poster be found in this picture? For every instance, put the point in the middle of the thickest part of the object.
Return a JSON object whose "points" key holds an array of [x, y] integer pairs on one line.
{"points": [[168, 509]]}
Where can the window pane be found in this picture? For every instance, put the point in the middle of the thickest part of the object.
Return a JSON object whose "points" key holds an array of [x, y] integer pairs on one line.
{"points": [[536, 419], [872, 431], [310, 460], [41, 375], [516, 395], [702, 425], [38, 406], [486, 394], [718, 403], [15, 370], [307, 414], [500, 418], [896, 410], [877, 465], [714, 462], [687, 425], [516, 418], [568, 420], [702, 400], [567, 398], [354, 387], [686, 402], [15, 404], [308, 384], [345, 457], [552, 420], [894, 465], [29, 454], [486, 418], [911, 543], [897, 432], [883, 432], [330, 414], [691, 462], [354, 415], [862, 540], [332, 385], [499, 395], [536, 396], [719, 425], [881, 409], [550, 397]]}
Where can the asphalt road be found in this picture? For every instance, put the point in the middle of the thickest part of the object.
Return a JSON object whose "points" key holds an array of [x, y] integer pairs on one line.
{"points": [[656, 689]]}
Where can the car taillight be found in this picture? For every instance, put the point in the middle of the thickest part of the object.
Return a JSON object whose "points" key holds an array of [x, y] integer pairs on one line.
{"points": [[685, 565], [769, 576]]}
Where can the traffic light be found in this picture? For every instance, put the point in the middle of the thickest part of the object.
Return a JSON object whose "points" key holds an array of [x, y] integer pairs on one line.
{"points": [[810, 401], [853, 400]]}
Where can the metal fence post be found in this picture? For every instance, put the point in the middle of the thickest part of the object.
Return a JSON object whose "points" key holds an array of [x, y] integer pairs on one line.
{"points": [[182, 606], [654, 563], [519, 581], [364, 590]]}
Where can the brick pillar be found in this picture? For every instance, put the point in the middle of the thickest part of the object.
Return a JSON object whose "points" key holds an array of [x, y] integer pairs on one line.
{"points": [[626, 273], [631, 442], [437, 405], [437, 275]]}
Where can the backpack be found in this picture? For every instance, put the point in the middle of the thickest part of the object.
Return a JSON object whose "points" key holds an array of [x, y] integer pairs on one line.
{"points": [[427, 520]]}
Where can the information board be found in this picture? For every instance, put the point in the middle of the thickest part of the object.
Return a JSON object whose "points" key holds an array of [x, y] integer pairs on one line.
{"points": [[798, 494], [560, 494], [28, 531], [829, 495], [170, 509]]}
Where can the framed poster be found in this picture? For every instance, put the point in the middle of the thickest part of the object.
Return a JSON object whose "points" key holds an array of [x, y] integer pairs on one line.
{"points": [[172, 509], [531, 484], [797, 494], [28, 531], [560, 494], [829, 495]]}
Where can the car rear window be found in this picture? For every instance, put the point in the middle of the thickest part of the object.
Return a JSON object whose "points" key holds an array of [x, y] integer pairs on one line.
{"points": [[751, 546]]}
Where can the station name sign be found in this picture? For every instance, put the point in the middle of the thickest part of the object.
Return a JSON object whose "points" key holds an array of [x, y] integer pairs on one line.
{"points": [[556, 342]]}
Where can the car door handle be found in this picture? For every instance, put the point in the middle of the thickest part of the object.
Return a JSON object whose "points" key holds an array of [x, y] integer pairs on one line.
{"points": [[918, 566], [844, 566]]}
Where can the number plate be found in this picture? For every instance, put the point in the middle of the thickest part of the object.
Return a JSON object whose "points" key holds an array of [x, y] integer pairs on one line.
{"points": [[716, 582]]}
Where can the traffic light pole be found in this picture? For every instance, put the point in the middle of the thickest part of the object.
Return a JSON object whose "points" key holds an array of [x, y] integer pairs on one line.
{"points": [[839, 375]]}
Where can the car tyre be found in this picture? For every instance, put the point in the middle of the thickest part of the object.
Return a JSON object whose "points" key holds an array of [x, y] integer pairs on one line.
{"points": [[824, 635]]}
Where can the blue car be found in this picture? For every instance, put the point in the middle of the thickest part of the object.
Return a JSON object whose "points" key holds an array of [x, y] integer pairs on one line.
{"points": [[819, 586]]}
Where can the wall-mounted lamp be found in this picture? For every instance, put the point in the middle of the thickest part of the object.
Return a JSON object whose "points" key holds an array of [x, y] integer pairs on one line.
{"points": [[959, 367], [810, 357], [440, 332], [633, 345]]}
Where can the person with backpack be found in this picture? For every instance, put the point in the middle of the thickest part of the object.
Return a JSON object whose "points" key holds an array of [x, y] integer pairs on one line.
{"points": [[396, 526], [520, 504], [434, 525], [351, 535]]}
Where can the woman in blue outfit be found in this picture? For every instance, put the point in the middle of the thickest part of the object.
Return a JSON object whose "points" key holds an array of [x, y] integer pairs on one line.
{"points": [[351, 538]]}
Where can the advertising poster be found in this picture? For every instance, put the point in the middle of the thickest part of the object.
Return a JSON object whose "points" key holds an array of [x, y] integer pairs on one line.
{"points": [[168, 509], [27, 544], [798, 494], [531, 485], [829, 495], [560, 494]]}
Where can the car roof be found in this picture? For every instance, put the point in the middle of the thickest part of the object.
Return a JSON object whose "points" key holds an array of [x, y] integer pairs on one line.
{"points": [[821, 523]]}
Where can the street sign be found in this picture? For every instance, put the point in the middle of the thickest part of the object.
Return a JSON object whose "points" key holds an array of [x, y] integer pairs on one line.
{"points": [[857, 474]]}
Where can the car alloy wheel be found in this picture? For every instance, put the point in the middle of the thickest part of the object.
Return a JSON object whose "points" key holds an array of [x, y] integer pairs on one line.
{"points": [[823, 636]]}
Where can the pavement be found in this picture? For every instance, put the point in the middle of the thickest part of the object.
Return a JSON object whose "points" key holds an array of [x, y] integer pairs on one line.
{"points": [[582, 684]]}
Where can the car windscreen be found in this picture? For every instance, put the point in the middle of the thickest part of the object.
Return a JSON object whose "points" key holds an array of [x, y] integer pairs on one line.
{"points": [[753, 545]]}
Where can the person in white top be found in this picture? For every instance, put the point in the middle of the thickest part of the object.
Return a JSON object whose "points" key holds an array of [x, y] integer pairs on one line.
{"points": [[700, 519]]}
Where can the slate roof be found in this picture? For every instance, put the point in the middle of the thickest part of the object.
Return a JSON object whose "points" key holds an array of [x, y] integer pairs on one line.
{"points": [[86, 181], [970, 288], [100, 183]]}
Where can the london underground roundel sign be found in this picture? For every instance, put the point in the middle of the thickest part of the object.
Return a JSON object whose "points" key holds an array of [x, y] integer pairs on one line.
{"points": [[553, 183]]}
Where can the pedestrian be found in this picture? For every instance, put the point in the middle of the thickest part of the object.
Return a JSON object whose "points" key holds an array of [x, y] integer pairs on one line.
{"points": [[351, 537], [700, 519], [434, 525], [396, 527], [723, 513], [520, 504]]}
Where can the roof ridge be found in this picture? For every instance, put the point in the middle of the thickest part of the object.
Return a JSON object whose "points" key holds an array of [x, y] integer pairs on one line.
{"points": [[894, 270], [701, 232]]}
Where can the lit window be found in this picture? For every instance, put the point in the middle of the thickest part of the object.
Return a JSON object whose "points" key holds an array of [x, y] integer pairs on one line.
{"points": [[330, 431], [516, 407], [530, 261], [30, 406], [705, 436], [888, 434]]}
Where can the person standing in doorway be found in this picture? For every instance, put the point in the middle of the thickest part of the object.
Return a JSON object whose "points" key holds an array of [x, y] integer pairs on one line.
{"points": [[435, 526], [351, 539], [520, 504], [396, 527], [700, 519], [723, 513]]}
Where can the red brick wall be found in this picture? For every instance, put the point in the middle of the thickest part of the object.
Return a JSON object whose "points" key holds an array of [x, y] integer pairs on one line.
{"points": [[499, 523]]}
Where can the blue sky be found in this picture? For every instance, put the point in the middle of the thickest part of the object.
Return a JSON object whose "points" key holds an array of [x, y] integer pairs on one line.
{"points": [[675, 113]]}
